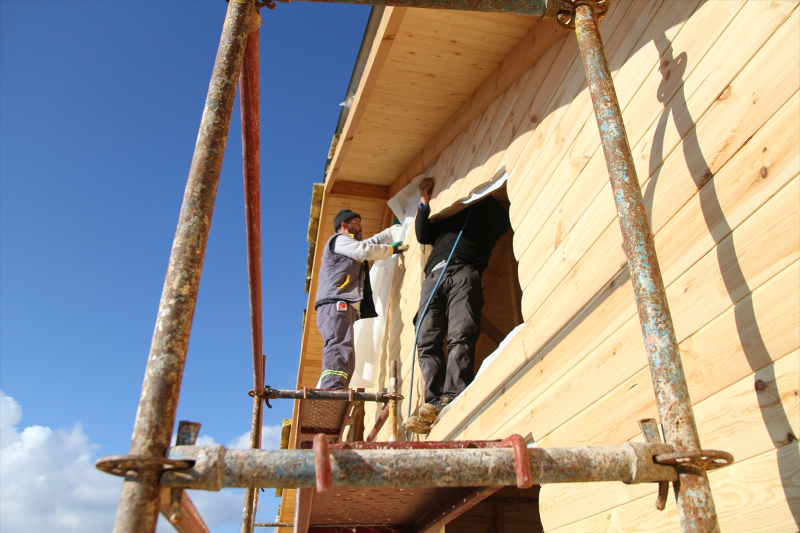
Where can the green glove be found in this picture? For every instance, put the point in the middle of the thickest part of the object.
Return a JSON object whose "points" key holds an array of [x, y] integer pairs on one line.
{"points": [[395, 245]]}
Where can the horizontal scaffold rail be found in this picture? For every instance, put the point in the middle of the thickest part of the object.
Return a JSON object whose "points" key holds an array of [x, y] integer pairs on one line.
{"points": [[349, 395], [214, 467]]}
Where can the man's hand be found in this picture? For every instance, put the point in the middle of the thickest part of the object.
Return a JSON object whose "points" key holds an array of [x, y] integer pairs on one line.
{"points": [[425, 188], [398, 247]]}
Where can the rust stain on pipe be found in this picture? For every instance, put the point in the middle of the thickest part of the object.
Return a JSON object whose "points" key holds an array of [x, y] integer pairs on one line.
{"points": [[190, 522], [695, 503], [251, 162]]}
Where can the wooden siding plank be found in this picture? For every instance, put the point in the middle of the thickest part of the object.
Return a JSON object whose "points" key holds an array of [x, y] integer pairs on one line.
{"points": [[674, 185], [740, 420], [573, 112], [463, 163], [518, 119], [482, 153], [569, 83], [570, 264], [452, 170], [708, 303], [443, 168], [715, 64], [558, 172], [748, 497]]}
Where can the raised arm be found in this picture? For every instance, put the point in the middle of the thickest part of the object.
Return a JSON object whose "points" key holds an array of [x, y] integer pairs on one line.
{"points": [[423, 227]]}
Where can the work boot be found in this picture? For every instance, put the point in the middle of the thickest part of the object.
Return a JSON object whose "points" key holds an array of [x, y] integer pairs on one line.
{"points": [[416, 424], [430, 411]]}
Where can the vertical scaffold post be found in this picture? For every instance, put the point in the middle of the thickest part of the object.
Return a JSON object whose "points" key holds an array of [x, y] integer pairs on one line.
{"points": [[249, 88], [155, 418], [251, 493], [693, 492]]}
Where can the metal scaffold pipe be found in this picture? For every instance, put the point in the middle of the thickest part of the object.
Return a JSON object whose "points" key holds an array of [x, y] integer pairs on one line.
{"points": [[155, 419], [251, 493], [214, 467], [695, 503], [349, 395], [536, 8], [249, 97], [249, 87]]}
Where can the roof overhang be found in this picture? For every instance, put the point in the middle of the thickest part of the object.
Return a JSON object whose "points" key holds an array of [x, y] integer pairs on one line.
{"points": [[427, 75]]}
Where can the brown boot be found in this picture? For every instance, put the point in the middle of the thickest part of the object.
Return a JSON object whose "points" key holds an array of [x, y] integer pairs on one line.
{"points": [[430, 411], [416, 424]]}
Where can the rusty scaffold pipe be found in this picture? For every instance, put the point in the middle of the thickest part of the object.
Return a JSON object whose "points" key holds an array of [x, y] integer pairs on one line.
{"points": [[214, 467], [349, 395], [251, 493], [694, 500], [155, 418], [536, 8], [249, 87]]}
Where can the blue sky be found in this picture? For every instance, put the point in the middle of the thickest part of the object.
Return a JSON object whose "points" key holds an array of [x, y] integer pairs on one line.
{"points": [[99, 111]]}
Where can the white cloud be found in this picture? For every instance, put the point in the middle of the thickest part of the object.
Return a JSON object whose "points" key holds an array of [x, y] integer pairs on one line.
{"points": [[270, 439], [48, 481]]}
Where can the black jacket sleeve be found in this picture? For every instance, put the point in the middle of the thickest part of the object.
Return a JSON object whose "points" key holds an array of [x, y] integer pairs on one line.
{"points": [[425, 229]]}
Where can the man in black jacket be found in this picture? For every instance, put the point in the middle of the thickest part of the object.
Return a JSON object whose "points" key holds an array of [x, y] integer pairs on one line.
{"points": [[456, 306]]}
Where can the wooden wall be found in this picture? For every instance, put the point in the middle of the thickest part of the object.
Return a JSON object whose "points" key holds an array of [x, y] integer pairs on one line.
{"points": [[709, 91]]}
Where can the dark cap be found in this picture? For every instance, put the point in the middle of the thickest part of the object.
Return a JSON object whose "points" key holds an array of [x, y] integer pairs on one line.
{"points": [[343, 216]]}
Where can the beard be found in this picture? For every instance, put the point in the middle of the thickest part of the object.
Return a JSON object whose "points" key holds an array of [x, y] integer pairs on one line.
{"points": [[356, 232]]}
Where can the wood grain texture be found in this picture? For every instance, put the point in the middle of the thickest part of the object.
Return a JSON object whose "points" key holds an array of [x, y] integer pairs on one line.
{"points": [[526, 53], [563, 171], [384, 38], [740, 419], [675, 190], [749, 496], [591, 182]]}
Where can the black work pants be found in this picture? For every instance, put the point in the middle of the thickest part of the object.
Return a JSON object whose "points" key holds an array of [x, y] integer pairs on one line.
{"points": [[455, 310]]}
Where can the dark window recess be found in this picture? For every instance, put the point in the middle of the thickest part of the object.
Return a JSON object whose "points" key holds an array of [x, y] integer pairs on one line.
{"points": [[502, 310]]}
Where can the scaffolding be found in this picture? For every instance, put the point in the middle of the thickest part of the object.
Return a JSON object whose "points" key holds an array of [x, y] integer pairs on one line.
{"points": [[156, 475]]}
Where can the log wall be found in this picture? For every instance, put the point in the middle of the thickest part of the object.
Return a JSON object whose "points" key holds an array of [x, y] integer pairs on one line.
{"points": [[709, 92]]}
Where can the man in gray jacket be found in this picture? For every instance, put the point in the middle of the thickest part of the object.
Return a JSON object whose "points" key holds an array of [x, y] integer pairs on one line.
{"points": [[344, 294]]}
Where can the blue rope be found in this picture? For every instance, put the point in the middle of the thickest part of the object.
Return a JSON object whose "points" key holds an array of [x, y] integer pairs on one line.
{"points": [[425, 310]]}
